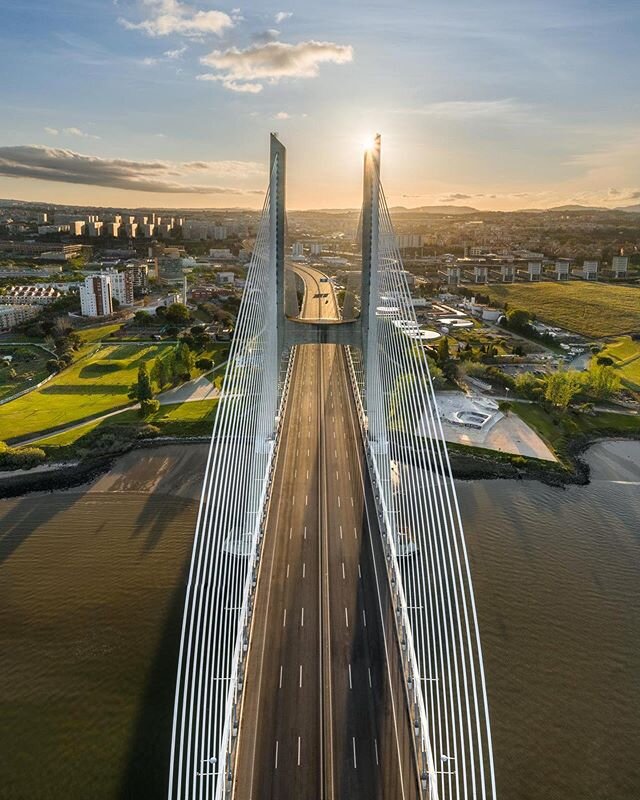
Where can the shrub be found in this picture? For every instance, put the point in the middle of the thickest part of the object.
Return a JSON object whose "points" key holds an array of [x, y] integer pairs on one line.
{"points": [[148, 407], [20, 458], [204, 363]]}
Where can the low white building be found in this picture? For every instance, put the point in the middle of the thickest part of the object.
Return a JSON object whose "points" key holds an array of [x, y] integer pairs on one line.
{"points": [[11, 316]]}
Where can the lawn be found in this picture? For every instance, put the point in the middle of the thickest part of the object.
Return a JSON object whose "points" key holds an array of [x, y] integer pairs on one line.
{"points": [[625, 353], [29, 364], [557, 429], [179, 419], [592, 309], [91, 386]]}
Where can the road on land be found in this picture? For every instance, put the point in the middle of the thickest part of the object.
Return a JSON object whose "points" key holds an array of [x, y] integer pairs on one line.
{"points": [[324, 713]]}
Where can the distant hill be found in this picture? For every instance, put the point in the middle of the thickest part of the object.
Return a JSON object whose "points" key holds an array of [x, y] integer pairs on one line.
{"points": [[570, 207], [635, 209], [435, 210]]}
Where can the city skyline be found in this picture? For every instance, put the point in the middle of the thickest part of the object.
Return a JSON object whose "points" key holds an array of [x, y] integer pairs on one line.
{"points": [[496, 108]]}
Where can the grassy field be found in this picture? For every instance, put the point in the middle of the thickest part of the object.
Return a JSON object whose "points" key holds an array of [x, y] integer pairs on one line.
{"points": [[558, 429], [29, 364], [625, 353], [179, 419], [91, 386], [591, 309]]}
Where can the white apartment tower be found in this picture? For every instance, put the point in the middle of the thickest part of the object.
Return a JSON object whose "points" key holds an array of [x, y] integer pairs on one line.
{"points": [[95, 296]]}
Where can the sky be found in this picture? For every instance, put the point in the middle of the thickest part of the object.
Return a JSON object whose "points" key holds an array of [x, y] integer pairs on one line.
{"points": [[164, 103]]}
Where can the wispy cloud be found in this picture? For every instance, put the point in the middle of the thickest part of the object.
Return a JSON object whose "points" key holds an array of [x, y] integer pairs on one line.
{"points": [[455, 197], [238, 69], [51, 131], [164, 17], [501, 110], [175, 54], [282, 115], [80, 133], [282, 15], [67, 166]]}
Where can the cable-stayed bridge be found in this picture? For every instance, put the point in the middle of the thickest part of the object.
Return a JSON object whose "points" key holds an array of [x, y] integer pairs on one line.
{"points": [[330, 644]]}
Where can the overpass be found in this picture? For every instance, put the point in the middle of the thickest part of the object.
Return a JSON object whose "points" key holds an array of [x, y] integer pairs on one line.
{"points": [[330, 646]]}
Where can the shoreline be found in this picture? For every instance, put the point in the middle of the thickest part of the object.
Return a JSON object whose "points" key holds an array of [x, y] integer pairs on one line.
{"points": [[467, 464]]}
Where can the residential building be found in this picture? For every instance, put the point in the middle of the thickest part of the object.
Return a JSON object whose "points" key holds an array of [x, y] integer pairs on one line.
{"points": [[297, 249], [29, 295], [121, 286], [590, 270], [95, 296], [11, 316]]}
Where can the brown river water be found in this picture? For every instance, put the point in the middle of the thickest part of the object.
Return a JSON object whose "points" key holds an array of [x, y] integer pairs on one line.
{"points": [[91, 584]]}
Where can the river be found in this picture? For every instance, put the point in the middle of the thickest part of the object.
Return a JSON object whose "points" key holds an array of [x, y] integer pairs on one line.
{"points": [[90, 595]]}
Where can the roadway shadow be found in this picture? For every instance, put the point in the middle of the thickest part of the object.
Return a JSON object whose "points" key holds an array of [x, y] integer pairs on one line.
{"points": [[19, 521], [157, 517], [146, 772]]}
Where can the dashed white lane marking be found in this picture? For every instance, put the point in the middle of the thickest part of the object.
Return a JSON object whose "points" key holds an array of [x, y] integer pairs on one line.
{"points": [[341, 531], [350, 682], [375, 742], [307, 474], [295, 473], [280, 681], [355, 758], [335, 453], [293, 502], [276, 754], [364, 617], [305, 531], [302, 618], [307, 452], [349, 473], [337, 476], [287, 570], [298, 751], [346, 616], [338, 501], [284, 618], [300, 679], [343, 575], [355, 533], [306, 499], [304, 568], [359, 573], [369, 673], [352, 502]]}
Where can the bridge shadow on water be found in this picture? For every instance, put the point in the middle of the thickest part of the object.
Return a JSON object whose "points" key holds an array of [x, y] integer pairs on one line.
{"points": [[146, 772]]}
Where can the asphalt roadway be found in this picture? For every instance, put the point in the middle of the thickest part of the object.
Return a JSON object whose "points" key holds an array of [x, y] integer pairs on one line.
{"points": [[324, 714]]}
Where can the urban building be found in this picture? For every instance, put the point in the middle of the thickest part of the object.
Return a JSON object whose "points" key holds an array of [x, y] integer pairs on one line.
{"points": [[406, 241], [121, 286], [29, 295], [561, 269], [11, 316], [95, 296], [590, 270], [297, 249], [316, 249], [619, 266]]}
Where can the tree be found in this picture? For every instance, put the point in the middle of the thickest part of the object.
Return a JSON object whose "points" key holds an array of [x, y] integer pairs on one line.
{"points": [[160, 373], [186, 360], [518, 319], [143, 318], [178, 314], [561, 388], [141, 390], [148, 407], [443, 350], [204, 363], [602, 381]]}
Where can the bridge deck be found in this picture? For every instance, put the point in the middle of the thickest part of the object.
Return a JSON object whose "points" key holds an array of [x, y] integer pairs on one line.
{"points": [[324, 712]]}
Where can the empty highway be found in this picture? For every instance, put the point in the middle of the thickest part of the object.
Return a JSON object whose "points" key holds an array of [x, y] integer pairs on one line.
{"points": [[324, 712]]}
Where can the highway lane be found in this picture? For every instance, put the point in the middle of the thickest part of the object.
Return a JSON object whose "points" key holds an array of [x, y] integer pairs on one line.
{"points": [[324, 713]]}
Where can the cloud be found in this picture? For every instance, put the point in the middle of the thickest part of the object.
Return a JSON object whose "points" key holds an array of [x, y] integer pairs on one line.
{"points": [[173, 17], [271, 62], [282, 115], [451, 198], [80, 133], [177, 53], [503, 110], [66, 166], [282, 15], [52, 131]]}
